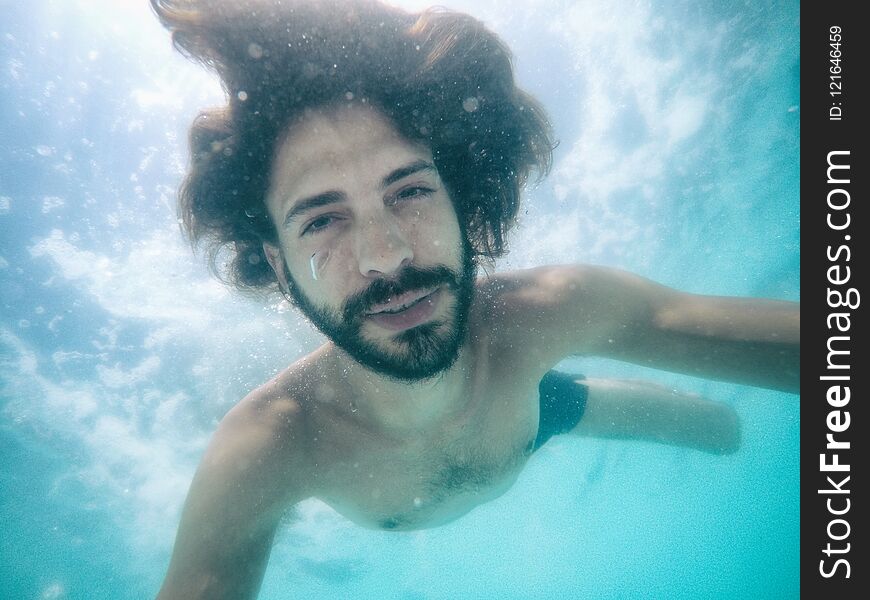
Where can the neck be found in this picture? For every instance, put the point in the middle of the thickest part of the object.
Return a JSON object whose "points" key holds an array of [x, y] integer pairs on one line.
{"points": [[399, 406]]}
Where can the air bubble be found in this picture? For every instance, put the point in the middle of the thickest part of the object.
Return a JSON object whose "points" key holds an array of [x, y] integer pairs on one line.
{"points": [[255, 51], [317, 262], [471, 104], [53, 591]]}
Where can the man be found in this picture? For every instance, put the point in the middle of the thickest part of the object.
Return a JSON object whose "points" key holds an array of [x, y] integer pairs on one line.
{"points": [[368, 161]]}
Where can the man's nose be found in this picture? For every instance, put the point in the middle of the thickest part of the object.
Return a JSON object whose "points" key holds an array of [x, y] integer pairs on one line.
{"points": [[382, 247]]}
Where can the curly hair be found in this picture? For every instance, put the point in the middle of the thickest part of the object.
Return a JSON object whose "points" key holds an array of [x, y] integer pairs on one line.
{"points": [[441, 77]]}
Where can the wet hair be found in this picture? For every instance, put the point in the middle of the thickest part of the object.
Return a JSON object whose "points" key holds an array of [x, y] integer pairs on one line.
{"points": [[440, 77]]}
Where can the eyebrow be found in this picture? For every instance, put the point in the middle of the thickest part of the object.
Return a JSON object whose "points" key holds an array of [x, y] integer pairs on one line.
{"points": [[311, 203], [409, 169], [334, 197]]}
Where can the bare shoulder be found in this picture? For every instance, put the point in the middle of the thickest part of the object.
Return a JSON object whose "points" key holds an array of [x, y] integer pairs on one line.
{"points": [[540, 285], [262, 439], [513, 311], [525, 295], [550, 312], [253, 470], [258, 455]]}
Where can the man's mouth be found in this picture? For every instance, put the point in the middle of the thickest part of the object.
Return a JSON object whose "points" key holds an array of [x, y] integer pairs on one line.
{"points": [[400, 302], [405, 310]]}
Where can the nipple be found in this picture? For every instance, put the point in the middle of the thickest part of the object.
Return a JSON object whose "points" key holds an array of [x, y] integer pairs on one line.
{"points": [[317, 262]]}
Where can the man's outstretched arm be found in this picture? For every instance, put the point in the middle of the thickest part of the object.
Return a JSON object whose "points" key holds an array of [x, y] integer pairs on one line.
{"points": [[565, 310]]}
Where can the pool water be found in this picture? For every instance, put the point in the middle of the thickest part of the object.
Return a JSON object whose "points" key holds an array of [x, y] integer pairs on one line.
{"points": [[678, 159]]}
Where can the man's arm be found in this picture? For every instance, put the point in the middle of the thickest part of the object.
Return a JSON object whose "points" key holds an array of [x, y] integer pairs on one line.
{"points": [[554, 312], [645, 411], [246, 479]]}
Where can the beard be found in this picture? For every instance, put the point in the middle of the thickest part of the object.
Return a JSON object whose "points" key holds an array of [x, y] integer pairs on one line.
{"points": [[410, 355]]}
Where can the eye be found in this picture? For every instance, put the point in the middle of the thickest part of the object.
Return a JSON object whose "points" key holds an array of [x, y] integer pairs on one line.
{"points": [[412, 192], [318, 224]]}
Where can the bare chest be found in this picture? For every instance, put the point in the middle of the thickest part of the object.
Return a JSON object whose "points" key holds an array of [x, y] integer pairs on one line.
{"points": [[433, 477], [402, 492]]}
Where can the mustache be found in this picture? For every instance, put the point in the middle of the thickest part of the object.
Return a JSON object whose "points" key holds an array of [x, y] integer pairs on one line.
{"points": [[408, 279]]}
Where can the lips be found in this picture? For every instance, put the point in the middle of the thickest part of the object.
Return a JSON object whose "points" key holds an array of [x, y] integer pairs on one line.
{"points": [[405, 311], [401, 302]]}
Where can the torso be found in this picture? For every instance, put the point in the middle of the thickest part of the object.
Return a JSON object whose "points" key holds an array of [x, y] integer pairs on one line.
{"points": [[432, 476]]}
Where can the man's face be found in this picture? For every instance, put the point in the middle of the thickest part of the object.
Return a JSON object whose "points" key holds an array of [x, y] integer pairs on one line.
{"points": [[369, 246]]}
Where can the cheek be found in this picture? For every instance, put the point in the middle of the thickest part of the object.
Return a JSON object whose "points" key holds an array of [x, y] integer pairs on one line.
{"points": [[333, 266], [435, 245], [437, 235]]}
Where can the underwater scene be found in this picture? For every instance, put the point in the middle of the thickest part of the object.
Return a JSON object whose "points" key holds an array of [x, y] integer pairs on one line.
{"points": [[678, 128]]}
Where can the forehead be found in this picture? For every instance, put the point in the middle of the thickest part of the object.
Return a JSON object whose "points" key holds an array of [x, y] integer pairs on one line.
{"points": [[328, 145]]}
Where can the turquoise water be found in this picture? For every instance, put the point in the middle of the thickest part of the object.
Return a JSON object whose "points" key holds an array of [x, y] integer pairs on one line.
{"points": [[678, 159]]}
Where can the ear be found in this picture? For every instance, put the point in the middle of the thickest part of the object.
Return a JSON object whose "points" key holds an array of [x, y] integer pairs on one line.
{"points": [[276, 261]]}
